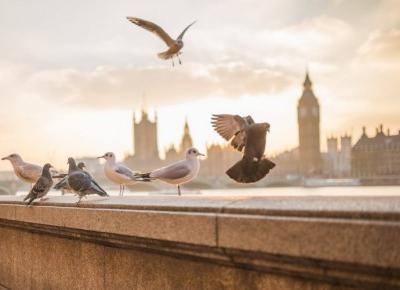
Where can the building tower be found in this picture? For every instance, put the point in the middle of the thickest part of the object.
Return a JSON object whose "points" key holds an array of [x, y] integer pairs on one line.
{"points": [[145, 138], [186, 142], [308, 121], [345, 155]]}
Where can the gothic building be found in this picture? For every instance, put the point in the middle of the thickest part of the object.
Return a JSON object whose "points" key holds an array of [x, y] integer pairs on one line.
{"points": [[145, 137], [173, 154], [378, 156], [337, 161], [186, 142], [145, 144], [308, 116]]}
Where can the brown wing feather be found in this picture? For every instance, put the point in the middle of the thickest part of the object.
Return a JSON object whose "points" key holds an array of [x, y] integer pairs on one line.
{"points": [[231, 127], [152, 27], [227, 125]]}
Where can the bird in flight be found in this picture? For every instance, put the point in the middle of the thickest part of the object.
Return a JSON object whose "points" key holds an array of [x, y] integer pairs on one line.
{"points": [[174, 46], [243, 132], [179, 172]]}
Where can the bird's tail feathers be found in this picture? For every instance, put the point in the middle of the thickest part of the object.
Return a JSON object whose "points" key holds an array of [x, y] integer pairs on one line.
{"points": [[144, 177], [27, 196], [248, 172], [30, 201], [96, 191], [164, 55], [60, 185]]}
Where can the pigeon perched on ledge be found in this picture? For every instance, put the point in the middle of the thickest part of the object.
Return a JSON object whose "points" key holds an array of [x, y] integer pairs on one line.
{"points": [[243, 132], [42, 186], [81, 182], [63, 183]]}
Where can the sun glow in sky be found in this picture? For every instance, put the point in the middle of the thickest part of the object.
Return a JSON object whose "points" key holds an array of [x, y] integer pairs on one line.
{"points": [[73, 72]]}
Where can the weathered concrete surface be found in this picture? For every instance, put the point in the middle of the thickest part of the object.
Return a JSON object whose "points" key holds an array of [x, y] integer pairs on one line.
{"points": [[198, 242]]}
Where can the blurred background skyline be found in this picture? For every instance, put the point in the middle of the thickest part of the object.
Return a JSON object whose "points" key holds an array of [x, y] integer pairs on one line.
{"points": [[72, 73]]}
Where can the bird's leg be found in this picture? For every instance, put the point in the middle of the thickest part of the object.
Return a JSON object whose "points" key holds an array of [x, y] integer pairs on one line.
{"points": [[79, 200], [179, 190], [172, 61], [179, 58], [123, 189]]}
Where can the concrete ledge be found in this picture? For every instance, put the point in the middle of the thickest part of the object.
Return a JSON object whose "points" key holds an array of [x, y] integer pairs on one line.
{"points": [[342, 241]]}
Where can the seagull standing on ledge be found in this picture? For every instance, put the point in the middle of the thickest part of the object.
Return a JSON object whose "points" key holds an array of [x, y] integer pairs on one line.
{"points": [[27, 172], [179, 172], [174, 46], [118, 173], [42, 186]]}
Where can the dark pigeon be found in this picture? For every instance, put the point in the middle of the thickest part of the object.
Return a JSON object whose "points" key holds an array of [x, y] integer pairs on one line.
{"points": [[81, 182], [244, 133], [42, 185], [63, 184]]}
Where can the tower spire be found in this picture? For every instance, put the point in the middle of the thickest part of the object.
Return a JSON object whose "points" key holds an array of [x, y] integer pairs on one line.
{"points": [[307, 82]]}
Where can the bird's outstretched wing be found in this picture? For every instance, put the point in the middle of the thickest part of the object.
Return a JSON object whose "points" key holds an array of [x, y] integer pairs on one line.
{"points": [[183, 32], [232, 127], [152, 27]]}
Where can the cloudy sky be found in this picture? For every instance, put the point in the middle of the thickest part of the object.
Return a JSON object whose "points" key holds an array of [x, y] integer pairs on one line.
{"points": [[72, 72]]}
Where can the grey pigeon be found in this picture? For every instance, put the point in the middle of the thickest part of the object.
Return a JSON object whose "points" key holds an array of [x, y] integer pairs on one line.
{"points": [[174, 46], [42, 185], [63, 184], [81, 182], [243, 132]]}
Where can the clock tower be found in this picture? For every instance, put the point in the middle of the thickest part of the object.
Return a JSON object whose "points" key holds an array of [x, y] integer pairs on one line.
{"points": [[309, 141]]}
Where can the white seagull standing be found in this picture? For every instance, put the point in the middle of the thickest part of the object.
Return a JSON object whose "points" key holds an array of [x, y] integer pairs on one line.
{"points": [[174, 46], [179, 172], [118, 173], [27, 172]]}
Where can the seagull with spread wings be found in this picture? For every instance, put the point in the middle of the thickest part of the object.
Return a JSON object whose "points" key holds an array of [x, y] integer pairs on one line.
{"points": [[243, 132], [174, 46]]}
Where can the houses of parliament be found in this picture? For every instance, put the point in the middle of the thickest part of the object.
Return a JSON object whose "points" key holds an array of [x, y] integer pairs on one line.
{"points": [[341, 160]]}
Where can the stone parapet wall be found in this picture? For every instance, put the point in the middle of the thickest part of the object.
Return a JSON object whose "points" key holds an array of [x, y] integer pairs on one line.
{"points": [[199, 242]]}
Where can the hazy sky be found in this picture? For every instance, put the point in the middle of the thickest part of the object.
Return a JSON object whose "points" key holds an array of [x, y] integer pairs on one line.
{"points": [[72, 72]]}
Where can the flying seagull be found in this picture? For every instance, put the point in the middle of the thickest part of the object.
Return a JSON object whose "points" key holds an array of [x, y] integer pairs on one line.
{"points": [[179, 172], [118, 173], [63, 183], [27, 172], [174, 46], [243, 132], [81, 182], [42, 186]]}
